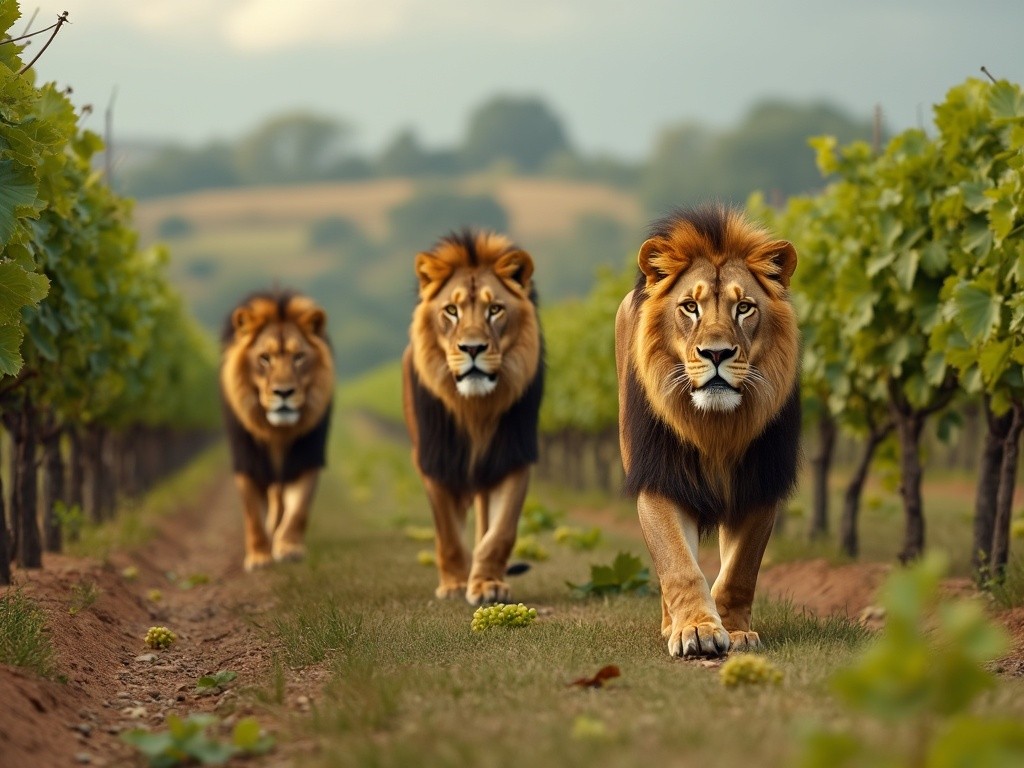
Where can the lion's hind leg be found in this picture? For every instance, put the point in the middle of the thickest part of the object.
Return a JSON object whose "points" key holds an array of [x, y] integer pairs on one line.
{"points": [[449, 510], [742, 548], [690, 621]]}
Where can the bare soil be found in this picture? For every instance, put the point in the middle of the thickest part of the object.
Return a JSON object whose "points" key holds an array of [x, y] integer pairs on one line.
{"points": [[115, 683]]}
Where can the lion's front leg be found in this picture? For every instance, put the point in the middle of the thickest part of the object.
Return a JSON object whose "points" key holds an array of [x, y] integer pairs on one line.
{"points": [[254, 502], [690, 621], [449, 510], [501, 507], [742, 548], [296, 497]]}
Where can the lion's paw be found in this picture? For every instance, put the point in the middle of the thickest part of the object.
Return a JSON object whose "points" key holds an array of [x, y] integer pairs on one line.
{"points": [[449, 591], [483, 591], [257, 560], [703, 639], [289, 552], [744, 641]]}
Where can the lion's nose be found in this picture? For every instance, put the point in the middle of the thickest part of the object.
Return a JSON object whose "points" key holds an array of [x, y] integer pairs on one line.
{"points": [[284, 393], [717, 355], [473, 349]]}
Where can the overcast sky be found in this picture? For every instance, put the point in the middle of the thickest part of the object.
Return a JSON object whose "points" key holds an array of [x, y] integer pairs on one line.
{"points": [[616, 71]]}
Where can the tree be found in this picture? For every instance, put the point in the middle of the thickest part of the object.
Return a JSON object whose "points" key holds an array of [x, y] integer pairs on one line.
{"points": [[291, 148], [522, 130], [419, 221]]}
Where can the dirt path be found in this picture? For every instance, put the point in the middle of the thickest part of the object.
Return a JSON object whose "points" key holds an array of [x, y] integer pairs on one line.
{"points": [[114, 682]]}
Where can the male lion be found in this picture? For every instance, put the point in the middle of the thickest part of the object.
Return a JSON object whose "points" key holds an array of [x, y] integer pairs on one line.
{"points": [[472, 379], [706, 349], [276, 384]]}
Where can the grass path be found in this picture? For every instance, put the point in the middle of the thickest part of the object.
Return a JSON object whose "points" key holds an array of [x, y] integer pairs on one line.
{"points": [[410, 684]]}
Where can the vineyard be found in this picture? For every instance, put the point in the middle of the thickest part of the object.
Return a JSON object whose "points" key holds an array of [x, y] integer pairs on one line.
{"points": [[105, 378], [160, 650], [910, 293]]}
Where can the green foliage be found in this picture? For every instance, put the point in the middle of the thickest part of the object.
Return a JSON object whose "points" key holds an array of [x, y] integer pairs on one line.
{"points": [[522, 130], [187, 740], [24, 641], [537, 518], [528, 548], [577, 538], [216, 682], [921, 677], [626, 574]]}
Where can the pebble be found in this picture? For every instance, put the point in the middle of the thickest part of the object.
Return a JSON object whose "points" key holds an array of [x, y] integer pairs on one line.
{"points": [[134, 712], [84, 728], [83, 757], [146, 657], [122, 695]]}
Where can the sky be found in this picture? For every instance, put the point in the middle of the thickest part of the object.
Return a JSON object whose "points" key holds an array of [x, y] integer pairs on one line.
{"points": [[616, 72]]}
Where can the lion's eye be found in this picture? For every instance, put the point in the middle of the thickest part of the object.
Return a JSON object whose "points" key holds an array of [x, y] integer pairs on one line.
{"points": [[300, 358], [743, 308], [690, 307], [451, 309], [494, 310]]}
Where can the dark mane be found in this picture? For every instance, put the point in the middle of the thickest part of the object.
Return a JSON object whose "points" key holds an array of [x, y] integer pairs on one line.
{"points": [[444, 449], [281, 297], [670, 467]]}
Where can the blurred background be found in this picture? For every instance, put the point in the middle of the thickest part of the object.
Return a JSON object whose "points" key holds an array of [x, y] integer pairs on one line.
{"points": [[319, 144]]}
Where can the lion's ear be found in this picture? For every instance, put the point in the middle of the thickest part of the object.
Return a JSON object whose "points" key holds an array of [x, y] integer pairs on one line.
{"points": [[777, 261], [313, 321], [649, 259], [516, 266], [431, 270], [243, 321]]}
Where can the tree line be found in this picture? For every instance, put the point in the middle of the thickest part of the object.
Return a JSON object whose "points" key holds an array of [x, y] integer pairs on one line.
{"points": [[687, 163], [910, 294], [105, 380]]}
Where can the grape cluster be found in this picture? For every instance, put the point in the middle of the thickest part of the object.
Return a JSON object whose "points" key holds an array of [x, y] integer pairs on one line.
{"points": [[501, 615], [159, 637], [749, 669]]}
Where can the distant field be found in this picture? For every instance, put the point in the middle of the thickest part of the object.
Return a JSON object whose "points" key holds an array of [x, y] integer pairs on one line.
{"points": [[231, 242], [536, 207]]}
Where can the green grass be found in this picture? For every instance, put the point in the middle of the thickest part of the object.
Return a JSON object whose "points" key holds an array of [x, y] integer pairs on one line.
{"points": [[24, 641], [134, 523], [410, 684]]}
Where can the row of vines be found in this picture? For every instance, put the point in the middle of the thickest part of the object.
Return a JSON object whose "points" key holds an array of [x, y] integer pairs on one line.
{"points": [[104, 378], [910, 293]]}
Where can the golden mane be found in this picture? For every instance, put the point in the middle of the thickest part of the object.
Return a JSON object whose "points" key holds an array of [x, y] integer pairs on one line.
{"points": [[246, 323], [462, 258], [720, 237]]}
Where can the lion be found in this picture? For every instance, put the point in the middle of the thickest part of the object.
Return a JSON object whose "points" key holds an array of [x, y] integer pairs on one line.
{"points": [[473, 376], [276, 385], [707, 348]]}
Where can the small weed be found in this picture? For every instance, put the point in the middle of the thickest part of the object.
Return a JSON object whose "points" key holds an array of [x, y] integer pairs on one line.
{"points": [[23, 638], [216, 682], [194, 580], [528, 548], [274, 692], [83, 595], [536, 518], [70, 519], [626, 574], [187, 740], [577, 538]]}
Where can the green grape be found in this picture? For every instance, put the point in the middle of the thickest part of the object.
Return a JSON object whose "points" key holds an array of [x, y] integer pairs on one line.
{"points": [[749, 669], [160, 637], [502, 615]]}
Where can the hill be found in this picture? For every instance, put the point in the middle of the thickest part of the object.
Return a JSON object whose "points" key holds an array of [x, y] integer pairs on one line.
{"points": [[337, 242]]}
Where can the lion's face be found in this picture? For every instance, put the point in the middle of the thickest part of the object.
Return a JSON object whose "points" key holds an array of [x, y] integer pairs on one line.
{"points": [[717, 334], [277, 372], [281, 362], [715, 329], [477, 320], [475, 332]]}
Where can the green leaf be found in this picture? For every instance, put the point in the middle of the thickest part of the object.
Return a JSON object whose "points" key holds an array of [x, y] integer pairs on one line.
{"points": [[10, 350], [905, 268], [994, 360], [977, 310], [18, 289], [1005, 101], [18, 197]]}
